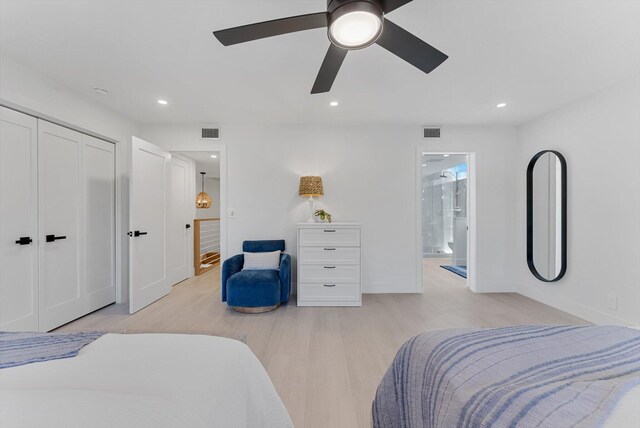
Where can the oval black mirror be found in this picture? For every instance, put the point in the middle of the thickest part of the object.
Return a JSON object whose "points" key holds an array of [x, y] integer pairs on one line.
{"points": [[547, 216]]}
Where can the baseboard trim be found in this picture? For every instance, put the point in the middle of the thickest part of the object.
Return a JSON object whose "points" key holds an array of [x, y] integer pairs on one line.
{"points": [[576, 309]]}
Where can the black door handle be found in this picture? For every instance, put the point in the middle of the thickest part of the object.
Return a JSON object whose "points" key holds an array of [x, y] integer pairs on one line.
{"points": [[136, 233], [53, 238], [24, 240], [188, 226]]}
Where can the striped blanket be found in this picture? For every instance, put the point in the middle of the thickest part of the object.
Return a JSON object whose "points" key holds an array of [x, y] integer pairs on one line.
{"points": [[524, 376], [17, 349]]}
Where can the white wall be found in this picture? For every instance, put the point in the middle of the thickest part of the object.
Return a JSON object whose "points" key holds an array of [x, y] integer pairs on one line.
{"points": [[369, 175], [600, 139], [31, 89]]}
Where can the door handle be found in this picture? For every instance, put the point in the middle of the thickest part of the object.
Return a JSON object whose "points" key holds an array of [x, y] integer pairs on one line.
{"points": [[329, 249], [329, 230], [24, 240], [53, 238], [136, 233], [329, 285], [329, 267], [188, 226]]}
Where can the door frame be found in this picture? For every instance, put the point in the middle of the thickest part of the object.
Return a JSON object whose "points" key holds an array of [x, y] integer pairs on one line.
{"points": [[471, 200], [221, 149]]}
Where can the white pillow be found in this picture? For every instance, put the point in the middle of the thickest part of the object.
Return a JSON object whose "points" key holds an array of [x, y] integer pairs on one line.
{"points": [[262, 261]]}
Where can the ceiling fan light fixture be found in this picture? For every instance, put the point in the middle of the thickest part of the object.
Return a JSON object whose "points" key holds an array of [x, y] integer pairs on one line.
{"points": [[355, 25]]}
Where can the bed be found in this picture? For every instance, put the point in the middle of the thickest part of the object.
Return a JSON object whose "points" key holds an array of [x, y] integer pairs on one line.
{"points": [[521, 376], [144, 380]]}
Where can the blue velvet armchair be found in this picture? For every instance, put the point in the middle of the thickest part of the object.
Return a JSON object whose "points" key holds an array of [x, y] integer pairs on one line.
{"points": [[255, 291]]}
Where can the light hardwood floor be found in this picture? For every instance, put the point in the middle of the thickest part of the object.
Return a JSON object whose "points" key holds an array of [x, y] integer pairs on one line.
{"points": [[327, 362]]}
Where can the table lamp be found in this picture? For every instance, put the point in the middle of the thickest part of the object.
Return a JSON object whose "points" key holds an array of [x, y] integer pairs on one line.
{"points": [[311, 186]]}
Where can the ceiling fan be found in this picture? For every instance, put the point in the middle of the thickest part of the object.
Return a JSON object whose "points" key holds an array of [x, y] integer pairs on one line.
{"points": [[352, 24]]}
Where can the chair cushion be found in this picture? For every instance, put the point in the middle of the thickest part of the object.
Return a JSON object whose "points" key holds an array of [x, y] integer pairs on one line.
{"points": [[254, 288], [262, 261]]}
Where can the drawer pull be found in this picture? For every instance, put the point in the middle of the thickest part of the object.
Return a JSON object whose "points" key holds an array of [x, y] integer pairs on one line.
{"points": [[329, 249], [329, 230], [329, 267], [329, 285]]}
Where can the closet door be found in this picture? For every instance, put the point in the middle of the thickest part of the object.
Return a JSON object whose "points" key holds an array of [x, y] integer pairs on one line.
{"points": [[99, 222], [18, 222], [60, 232]]}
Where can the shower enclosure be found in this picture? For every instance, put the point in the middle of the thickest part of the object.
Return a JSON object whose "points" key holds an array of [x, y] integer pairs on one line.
{"points": [[444, 208]]}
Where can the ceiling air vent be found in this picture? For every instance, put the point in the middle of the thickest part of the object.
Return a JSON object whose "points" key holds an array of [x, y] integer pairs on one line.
{"points": [[209, 133], [430, 132]]}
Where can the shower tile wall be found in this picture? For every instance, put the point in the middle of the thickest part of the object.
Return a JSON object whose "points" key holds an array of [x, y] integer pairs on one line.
{"points": [[439, 210]]}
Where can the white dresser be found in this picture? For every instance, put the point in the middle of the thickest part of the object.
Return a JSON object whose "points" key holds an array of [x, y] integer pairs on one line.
{"points": [[329, 264]]}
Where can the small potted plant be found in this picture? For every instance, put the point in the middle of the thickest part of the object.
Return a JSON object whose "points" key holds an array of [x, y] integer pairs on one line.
{"points": [[323, 216]]}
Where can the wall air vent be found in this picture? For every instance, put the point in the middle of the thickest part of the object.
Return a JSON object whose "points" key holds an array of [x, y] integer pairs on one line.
{"points": [[430, 132], [209, 133]]}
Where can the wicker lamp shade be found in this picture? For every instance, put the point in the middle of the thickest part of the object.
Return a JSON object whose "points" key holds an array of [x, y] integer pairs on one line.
{"points": [[203, 200], [311, 186]]}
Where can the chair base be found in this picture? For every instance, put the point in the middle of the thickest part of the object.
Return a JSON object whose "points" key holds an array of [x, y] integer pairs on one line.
{"points": [[255, 310]]}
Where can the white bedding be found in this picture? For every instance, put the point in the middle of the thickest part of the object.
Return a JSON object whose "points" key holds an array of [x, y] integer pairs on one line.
{"points": [[144, 380]]}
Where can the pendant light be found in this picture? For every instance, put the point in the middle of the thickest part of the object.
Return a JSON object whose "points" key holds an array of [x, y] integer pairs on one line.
{"points": [[203, 200]]}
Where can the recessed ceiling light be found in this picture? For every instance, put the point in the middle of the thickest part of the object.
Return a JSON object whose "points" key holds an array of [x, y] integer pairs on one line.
{"points": [[214, 156], [163, 102], [100, 91], [446, 156], [334, 104], [501, 105], [424, 164]]}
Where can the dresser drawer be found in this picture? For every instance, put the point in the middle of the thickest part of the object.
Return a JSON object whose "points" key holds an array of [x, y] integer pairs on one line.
{"points": [[329, 273], [328, 236], [329, 255], [328, 292]]}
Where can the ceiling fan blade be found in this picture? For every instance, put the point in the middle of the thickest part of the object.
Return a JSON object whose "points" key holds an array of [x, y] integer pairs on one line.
{"points": [[390, 5], [402, 43], [329, 69], [276, 27]]}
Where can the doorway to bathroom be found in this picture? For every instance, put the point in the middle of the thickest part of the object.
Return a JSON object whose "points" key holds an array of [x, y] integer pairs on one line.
{"points": [[446, 189]]}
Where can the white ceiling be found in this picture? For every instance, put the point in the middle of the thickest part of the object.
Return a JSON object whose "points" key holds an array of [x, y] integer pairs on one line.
{"points": [[204, 163], [535, 55]]}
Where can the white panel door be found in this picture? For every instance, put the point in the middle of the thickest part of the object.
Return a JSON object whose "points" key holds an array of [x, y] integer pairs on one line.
{"points": [[99, 222], [179, 220], [18, 219], [150, 178], [61, 249]]}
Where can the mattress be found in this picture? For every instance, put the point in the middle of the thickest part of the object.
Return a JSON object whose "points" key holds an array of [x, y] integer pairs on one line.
{"points": [[144, 380], [627, 412]]}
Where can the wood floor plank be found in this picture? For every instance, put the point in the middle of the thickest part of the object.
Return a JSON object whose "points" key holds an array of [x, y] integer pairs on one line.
{"points": [[327, 362]]}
